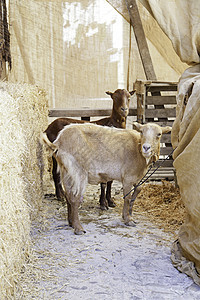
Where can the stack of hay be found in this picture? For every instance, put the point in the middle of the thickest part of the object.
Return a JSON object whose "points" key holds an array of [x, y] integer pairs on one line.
{"points": [[23, 116]]}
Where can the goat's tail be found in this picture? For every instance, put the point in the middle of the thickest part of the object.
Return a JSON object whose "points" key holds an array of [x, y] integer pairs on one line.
{"points": [[45, 139]]}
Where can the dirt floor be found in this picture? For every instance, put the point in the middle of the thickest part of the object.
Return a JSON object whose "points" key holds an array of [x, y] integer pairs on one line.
{"points": [[111, 260]]}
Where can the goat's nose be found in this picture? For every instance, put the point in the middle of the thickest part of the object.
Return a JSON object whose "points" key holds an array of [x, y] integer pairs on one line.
{"points": [[124, 108], [146, 147]]}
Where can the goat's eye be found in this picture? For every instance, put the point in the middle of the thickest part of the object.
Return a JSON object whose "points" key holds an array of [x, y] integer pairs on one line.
{"points": [[159, 135]]}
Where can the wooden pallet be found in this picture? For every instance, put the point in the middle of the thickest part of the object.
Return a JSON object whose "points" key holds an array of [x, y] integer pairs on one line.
{"points": [[156, 102]]}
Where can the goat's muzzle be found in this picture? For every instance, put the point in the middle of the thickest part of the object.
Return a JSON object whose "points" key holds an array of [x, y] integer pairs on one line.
{"points": [[124, 111], [146, 150]]}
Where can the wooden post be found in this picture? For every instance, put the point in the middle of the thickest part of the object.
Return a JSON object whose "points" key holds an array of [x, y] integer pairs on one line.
{"points": [[141, 99], [142, 45], [4, 41], [141, 39]]}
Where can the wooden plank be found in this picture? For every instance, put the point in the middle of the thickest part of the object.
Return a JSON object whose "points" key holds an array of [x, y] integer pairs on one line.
{"points": [[141, 39], [159, 177], [165, 169], [166, 163], [166, 138], [162, 173], [164, 123], [132, 112], [161, 88], [79, 112], [160, 113], [162, 83], [165, 150], [160, 100], [62, 113]]}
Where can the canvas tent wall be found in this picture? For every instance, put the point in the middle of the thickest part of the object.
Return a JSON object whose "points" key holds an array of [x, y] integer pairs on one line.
{"points": [[179, 19], [76, 50]]}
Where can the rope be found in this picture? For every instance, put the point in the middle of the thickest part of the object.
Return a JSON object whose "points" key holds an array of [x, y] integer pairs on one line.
{"points": [[143, 180]]}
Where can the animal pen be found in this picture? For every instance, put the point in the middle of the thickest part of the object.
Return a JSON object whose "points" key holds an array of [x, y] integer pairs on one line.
{"points": [[58, 58]]}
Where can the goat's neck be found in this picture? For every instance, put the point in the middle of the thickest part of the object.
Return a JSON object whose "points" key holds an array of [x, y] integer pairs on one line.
{"points": [[117, 118]]}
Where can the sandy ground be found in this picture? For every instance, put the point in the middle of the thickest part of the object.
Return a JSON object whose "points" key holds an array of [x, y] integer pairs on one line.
{"points": [[110, 261]]}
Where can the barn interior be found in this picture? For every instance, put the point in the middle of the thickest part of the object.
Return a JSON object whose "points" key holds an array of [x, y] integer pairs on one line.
{"points": [[58, 58]]}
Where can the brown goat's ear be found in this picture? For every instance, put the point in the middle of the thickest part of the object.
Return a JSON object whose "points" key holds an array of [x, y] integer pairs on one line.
{"points": [[109, 93], [166, 129], [137, 126], [132, 92]]}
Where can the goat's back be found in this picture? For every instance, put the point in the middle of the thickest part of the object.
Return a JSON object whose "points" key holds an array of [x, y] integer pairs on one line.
{"points": [[111, 122], [57, 125]]}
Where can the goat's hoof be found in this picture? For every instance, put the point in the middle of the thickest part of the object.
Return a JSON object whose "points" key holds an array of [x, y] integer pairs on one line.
{"points": [[70, 224], [130, 223], [111, 204], [78, 231], [60, 195], [104, 207]]}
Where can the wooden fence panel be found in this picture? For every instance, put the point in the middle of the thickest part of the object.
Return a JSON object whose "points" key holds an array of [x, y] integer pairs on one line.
{"points": [[161, 109]]}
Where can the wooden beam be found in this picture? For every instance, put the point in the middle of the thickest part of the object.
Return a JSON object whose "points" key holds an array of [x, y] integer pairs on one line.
{"points": [[84, 113], [166, 138], [160, 100], [160, 113], [141, 39]]}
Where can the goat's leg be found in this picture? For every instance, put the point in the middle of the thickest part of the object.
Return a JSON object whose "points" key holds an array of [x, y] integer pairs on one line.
{"points": [[102, 199], [133, 197], [126, 208], [78, 229], [56, 178], [111, 203], [69, 210]]}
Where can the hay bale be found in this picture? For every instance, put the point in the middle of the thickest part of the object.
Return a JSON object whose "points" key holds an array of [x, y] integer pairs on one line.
{"points": [[23, 115], [32, 114]]}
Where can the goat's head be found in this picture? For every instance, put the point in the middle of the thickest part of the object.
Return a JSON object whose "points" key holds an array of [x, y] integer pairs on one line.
{"points": [[121, 100], [150, 139]]}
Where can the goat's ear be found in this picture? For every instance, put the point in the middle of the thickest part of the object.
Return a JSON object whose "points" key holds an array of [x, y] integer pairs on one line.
{"points": [[137, 126], [132, 92], [109, 93], [166, 129]]}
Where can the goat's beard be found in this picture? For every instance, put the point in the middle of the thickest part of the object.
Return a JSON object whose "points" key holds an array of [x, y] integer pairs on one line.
{"points": [[150, 157]]}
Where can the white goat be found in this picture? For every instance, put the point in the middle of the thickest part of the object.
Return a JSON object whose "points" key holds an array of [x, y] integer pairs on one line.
{"points": [[88, 153]]}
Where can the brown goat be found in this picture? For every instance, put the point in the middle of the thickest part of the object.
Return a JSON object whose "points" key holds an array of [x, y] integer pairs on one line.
{"points": [[120, 110]]}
